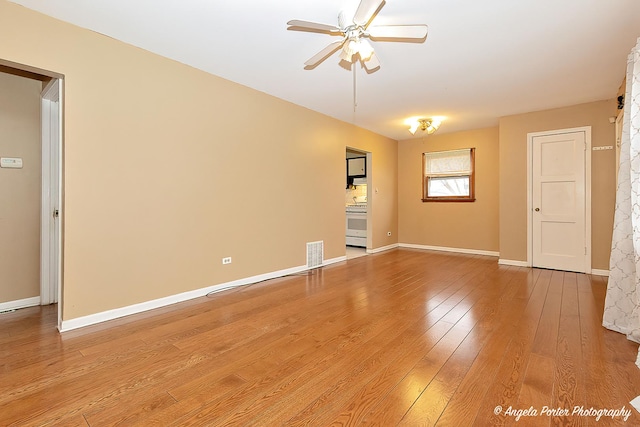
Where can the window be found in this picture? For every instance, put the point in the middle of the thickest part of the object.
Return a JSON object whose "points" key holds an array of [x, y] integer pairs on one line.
{"points": [[448, 176]]}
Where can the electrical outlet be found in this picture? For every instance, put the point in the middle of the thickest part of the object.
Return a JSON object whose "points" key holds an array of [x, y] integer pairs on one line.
{"points": [[388, 233], [226, 260]]}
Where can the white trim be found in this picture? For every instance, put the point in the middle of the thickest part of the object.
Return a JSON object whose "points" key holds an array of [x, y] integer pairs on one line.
{"points": [[92, 319], [60, 225], [334, 260], [45, 203], [447, 249], [382, 249], [46, 294], [587, 198], [529, 201], [514, 263], [21, 303], [51, 190], [369, 173], [587, 139], [598, 272], [52, 90]]}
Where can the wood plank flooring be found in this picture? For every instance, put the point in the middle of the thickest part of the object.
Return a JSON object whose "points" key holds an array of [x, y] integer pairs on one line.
{"points": [[404, 337]]}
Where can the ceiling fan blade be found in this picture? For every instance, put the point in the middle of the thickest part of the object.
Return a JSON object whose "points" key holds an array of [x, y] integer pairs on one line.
{"points": [[313, 26], [324, 53], [398, 32], [372, 63], [366, 10]]}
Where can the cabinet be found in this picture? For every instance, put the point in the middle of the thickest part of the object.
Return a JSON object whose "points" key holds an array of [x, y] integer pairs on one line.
{"points": [[357, 167]]}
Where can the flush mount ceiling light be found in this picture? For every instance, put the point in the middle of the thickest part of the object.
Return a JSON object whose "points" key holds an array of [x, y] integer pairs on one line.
{"points": [[426, 125]]}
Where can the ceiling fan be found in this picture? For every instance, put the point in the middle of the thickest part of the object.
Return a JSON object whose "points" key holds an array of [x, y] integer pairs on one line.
{"points": [[355, 34]]}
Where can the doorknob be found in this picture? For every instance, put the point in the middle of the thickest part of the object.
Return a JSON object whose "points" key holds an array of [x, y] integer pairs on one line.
{"points": [[537, 209]]}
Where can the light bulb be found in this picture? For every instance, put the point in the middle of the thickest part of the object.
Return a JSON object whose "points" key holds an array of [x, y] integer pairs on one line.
{"points": [[365, 49], [433, 126], [426, 125], [349, 49]]}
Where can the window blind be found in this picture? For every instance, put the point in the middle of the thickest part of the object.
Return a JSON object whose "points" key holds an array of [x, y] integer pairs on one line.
{"points": [[448, 163]]}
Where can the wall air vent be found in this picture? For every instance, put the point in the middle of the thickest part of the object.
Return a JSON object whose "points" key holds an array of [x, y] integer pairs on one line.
{"points": [[315, 254]]}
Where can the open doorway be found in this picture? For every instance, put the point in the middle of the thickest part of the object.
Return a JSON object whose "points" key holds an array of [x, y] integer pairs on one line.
{"points": [[30, 149], [358, 202]]}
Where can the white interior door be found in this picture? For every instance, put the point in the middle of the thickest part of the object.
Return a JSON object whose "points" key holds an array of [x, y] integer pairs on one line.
{"points": [[50, 267], [559, 202]]}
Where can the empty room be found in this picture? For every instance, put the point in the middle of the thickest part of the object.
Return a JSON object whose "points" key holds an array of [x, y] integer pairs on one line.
{"points": [[349, 212]]}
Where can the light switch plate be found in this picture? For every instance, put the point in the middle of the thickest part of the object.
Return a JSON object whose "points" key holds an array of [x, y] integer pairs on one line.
{"points": [[11, 162]]}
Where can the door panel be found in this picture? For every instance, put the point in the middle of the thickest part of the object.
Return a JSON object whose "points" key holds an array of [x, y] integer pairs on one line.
{"points": [[559, 201], [558, 198]]}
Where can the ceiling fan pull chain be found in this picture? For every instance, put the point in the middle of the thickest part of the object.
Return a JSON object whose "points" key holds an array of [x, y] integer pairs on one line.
{"points": [[355, 96]]}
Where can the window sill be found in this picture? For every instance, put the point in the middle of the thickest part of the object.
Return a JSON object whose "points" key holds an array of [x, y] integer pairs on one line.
{"points": [[449, 199]]}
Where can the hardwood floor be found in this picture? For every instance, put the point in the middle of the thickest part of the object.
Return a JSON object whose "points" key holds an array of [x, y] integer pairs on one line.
{"points": [[404, 337]]}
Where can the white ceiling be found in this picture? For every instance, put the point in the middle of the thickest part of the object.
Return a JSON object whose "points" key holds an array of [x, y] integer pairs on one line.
{"points": [[481, 60]]}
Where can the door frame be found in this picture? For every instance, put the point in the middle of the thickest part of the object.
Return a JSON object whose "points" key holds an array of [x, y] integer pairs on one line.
{"points": [[369, 169], [54, 88], [587, 182], [51, 193], [369, 203]]}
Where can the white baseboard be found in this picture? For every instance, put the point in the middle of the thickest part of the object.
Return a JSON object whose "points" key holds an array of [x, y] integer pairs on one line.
{"points": [[21, 303], [514, 263], [333, 260], [382, 249], [92, 319], [594, 271], [446, 249]]}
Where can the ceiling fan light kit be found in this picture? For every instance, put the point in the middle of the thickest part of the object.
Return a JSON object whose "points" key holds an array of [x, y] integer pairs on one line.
{"points": [[356, 46], [354, 35]]}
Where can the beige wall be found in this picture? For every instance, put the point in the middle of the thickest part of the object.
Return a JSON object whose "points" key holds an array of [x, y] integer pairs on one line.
{"points": [[165, 174], [20, 188], [513, 179], [455, 225]]}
